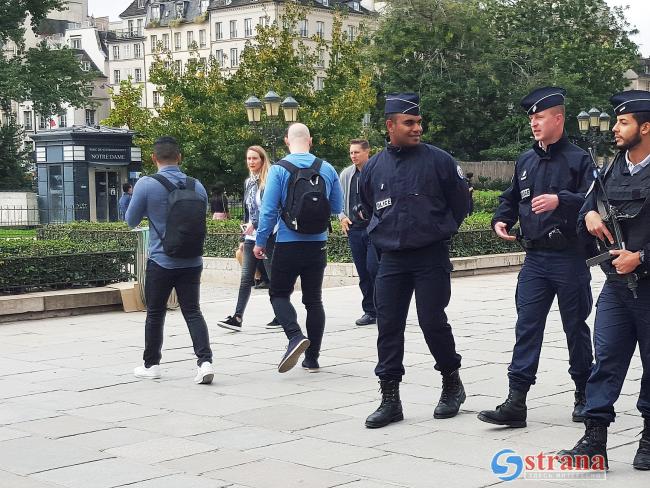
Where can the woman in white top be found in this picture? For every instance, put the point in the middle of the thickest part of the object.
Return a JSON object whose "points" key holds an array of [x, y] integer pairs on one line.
{"points": [[258, 166]]}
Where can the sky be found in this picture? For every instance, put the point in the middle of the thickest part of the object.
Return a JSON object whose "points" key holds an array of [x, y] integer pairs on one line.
{"points": [[638, 15]]}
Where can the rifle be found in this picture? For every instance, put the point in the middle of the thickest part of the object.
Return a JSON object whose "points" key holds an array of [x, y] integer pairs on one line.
{"points": [[611, 217]]}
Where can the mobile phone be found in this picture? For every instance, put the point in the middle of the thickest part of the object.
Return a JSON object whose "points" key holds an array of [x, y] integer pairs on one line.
{"points": [[243, 227]]}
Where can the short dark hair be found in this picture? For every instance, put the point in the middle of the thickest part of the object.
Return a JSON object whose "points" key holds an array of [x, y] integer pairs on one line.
{"points": [[360, 142], [126, 187], [641, 117], [166, 149]]}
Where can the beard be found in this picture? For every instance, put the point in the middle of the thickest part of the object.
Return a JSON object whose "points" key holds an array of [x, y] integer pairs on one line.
{"points": [[630, 144]]}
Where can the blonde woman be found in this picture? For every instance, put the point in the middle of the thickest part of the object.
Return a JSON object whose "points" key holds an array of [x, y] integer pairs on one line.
{"points": [[258, 164]]}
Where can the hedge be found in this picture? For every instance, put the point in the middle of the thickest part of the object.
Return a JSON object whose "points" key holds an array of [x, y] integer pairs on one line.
{"points": [[26, 265]]}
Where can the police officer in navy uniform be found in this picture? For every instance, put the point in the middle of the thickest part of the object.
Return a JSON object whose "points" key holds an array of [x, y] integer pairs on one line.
{"points": [[547, 191], [416, 197], [622, 321]]}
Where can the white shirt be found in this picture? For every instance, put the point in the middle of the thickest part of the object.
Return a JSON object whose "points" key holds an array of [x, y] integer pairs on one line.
{"points": [[635, 168]]}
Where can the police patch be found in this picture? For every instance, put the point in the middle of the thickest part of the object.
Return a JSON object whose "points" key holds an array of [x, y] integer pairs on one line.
{"points": [[459, 170], [383, 204], [525, 193], [524, 175]]}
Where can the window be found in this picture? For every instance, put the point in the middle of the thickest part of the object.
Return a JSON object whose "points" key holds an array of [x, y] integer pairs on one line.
{"points": [[321, 58], [42, 122], [351, 32], [177, 41], [320, 83], [138, 75], [218, 30], [326, 3], [156, 99], [27, 120], [304, 28], [218, 55], [262, 21], [116, 76], [127, 51], [155, 12], [204, 5], [75, 42], [131, 27], [85, 65], [165, 40], [190, 39], [90, 117], [63, 120], [139, 27], [320, 29], [248, 27], [137, 51], [234, 57], [116, 52], [140, 3], [154, 44], [178, 66], [647, 69], [233, 29], [202, 38], [355, 6]]}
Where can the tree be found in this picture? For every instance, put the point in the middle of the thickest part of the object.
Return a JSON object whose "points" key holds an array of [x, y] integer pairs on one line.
{"points": [[14, 158], [205, 111], [473, 60]]}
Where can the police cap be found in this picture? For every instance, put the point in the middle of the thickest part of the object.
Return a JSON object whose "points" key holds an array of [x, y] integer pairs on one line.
{"points": [[402, 103], [543, 98], [632, 101]]}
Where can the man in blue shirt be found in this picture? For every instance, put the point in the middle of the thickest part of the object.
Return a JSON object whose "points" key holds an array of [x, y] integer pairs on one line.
{"points": [[165, 272], [296, 254], [125, 199]]}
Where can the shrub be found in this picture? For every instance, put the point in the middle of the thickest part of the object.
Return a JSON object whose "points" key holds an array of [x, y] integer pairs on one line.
{"points": [[486, 200]]}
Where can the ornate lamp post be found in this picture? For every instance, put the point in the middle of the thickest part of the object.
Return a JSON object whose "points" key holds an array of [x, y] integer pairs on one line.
{"points": [[594, 128], [272, 130]]}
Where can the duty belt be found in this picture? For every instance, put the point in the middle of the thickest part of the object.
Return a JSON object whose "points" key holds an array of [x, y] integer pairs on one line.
{"points": [[545, 243]]}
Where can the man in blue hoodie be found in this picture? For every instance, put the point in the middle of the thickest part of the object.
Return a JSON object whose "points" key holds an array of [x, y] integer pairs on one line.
{"points": [[297, 254]]}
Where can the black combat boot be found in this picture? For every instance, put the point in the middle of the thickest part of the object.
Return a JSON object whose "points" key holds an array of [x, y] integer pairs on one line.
{"points": [[390, 409], [642, 458], [451, 398], [593, 443], [512, 412], [579, 406]]}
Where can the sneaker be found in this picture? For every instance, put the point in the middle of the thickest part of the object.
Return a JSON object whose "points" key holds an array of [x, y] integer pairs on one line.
{"points": [[274, 324], [151, 373], [311, 365], [366, 319], [296, 347], [232, 322], [204, 374]]}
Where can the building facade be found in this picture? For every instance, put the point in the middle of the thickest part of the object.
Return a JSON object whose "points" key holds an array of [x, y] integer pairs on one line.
{"points": [[640, 79], [211, 28]]}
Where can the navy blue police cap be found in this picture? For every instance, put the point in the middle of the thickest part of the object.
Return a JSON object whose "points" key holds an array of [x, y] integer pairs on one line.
{"points": [[629, 102], [543, 98], [402, 103]]}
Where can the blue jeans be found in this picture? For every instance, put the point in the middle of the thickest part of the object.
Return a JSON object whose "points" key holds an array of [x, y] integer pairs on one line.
{"points": [[159, 284], [365, 260], [248, 268], [544, 275]]}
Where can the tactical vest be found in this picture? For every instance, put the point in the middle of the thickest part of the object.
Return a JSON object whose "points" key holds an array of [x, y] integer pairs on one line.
{"points": [[630, 195]]}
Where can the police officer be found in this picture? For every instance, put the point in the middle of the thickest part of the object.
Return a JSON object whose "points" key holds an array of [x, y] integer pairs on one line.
{"points": [[622, 321], [417, 198], [548, 188]]}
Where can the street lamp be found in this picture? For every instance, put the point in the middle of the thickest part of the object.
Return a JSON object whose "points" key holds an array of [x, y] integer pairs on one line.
{"points": [[594, 128], [271, 130]]}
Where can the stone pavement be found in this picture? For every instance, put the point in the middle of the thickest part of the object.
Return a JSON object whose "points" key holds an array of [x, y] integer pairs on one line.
{"points": [[72, 415]]}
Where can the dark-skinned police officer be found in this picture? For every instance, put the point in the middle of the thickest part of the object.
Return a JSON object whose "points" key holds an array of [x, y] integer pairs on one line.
{"points": [[548, 189], [622, 321], [417, 197]]}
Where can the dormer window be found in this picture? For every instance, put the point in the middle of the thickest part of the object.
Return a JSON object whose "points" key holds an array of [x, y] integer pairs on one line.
{"points": [[356, 6], [204, 5], [140, 3], [155, 12], [326, 3], [180, 10]]}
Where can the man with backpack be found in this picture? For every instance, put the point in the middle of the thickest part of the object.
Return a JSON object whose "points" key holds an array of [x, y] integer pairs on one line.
{"points": [[304, 191], [175, 205]]}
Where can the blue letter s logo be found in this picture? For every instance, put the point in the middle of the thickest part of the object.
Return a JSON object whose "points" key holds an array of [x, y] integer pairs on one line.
{"points": [[512, 468]]}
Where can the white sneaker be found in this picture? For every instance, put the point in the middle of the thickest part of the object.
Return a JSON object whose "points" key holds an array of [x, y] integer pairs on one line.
{"points": [[151, 373], [204, 374]]}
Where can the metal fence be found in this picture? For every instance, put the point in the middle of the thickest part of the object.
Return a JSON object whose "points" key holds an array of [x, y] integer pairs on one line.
{"points": [[30, 217]]}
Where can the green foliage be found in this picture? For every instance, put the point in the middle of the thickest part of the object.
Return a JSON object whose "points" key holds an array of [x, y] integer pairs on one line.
{"points": [[48, 77], [473, 60], [485, 201], [17, 234], [14, 158], [509, 152], [27, 264]]}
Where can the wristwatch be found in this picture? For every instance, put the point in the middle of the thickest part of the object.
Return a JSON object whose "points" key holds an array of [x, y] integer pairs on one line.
{"points": [[642, 256]]}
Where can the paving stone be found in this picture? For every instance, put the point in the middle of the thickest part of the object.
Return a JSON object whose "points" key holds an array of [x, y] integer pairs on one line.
{"points": [[246, 437], [181, 480], [114, 412], [285, 417], [8, 434], [179, 424], [211, 461], [160, 449], [63, 426], [113, 437], [10, 480]]}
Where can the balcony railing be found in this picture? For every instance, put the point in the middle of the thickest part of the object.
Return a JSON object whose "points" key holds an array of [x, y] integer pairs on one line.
{"points": [[128, 33]]}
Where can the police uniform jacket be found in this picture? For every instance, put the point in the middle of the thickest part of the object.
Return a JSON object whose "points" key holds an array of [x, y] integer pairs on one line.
{"points": [[564, 170], [630, 195], [416, 196]]}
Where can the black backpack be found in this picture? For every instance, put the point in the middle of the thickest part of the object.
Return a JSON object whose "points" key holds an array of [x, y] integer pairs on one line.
{"points": [[307, 209], [186, 227]]}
